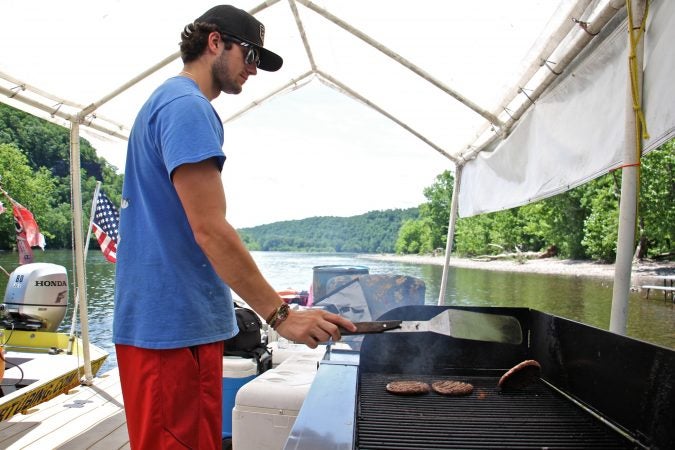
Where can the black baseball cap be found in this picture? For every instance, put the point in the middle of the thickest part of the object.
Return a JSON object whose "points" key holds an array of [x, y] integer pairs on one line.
{"points": [[238, 23]]}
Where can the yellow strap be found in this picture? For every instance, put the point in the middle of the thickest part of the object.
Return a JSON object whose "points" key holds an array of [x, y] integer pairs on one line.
{"points": [[640, 123], [635, 35]]}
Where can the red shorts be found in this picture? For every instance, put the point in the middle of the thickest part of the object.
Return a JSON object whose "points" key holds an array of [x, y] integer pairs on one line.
{"points": [[172, 398]]}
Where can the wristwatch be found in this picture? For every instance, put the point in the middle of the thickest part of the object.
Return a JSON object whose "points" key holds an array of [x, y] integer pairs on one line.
{"points": [[279, 315]]}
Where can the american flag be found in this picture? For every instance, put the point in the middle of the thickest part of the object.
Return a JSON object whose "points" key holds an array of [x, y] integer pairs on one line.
{"points": [[105, 226]]}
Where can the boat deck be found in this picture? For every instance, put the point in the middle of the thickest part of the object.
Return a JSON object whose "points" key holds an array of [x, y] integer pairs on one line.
{"points": [[88, 417]]}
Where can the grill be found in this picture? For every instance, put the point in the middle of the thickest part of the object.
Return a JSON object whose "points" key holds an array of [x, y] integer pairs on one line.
{"points": [[597, 390], [533, 418]]}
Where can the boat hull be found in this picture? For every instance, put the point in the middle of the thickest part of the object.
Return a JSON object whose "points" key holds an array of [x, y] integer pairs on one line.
{"points": [[40, 366]]}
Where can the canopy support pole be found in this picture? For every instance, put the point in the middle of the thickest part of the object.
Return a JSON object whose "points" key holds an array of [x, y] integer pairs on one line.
{"points": [[487, 115], [76, 303], [629, 190], [78, 246], [451, 233], [50, 109], [352, 93], [293, 84]]}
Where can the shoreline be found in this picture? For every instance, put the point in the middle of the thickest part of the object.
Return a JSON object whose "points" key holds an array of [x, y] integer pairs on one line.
{"points": [[643, 272]]}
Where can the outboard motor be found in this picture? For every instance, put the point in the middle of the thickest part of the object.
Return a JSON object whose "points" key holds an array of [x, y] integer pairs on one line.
{"points": [[36, 297]]}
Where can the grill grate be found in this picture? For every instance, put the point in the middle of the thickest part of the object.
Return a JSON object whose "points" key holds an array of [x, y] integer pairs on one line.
{"points": [[536, 417]]}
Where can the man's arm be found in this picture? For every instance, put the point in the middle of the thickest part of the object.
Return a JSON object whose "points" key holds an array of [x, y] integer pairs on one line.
{"points": [[201, 193]]}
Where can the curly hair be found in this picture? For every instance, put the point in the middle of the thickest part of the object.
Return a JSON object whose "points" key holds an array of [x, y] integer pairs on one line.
{"points": [[193, 40]]}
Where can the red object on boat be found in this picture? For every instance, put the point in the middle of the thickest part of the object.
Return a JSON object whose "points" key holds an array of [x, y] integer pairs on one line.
{"points": [[292, 296]]}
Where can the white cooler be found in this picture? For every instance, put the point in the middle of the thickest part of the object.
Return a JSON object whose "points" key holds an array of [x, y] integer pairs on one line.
{"points": [[236, 373], [266, 407], [282, 350]]}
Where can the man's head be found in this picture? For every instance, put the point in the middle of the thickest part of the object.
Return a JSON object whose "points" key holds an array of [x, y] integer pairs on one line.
{"points": [[235, 26]]}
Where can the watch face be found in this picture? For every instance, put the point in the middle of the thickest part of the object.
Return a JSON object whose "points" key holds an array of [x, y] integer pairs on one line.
{"points": [[283, 312]]}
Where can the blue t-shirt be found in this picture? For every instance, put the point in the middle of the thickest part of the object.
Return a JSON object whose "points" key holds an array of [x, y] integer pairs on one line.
{"points": [[167, 294]]}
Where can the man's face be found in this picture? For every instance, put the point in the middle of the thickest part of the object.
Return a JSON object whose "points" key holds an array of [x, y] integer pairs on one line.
{"points": [[229, 70]]}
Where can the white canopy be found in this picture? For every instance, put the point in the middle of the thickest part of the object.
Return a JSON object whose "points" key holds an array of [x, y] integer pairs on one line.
{"points": [[450, 76], [447, 75], [575, 132]]}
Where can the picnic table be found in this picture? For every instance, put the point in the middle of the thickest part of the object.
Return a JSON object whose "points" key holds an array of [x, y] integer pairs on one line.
{"points": [[668, 287]]}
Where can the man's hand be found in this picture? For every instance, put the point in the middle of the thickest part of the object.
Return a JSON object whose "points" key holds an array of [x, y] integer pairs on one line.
{"points": [[311, 326]]}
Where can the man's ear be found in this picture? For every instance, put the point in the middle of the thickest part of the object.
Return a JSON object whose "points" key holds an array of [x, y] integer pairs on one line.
{"points": [[213, 41]]}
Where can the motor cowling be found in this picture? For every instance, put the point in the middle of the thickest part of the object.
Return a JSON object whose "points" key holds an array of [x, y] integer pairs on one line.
{"points": [[36, 297]]}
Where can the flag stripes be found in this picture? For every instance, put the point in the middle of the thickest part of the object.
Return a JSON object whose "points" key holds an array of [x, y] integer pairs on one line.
{"points": [[105, 226]]}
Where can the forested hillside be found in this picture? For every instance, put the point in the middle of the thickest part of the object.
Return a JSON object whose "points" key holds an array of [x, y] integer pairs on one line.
{"points": [[34, 170], [373, 232]]}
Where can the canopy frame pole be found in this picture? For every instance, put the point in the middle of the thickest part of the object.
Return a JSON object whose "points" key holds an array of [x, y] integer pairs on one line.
{"points": [[78, 246], [303, 34], [352, 93], [451, 233], [629, 188], [58, 100], [64, 115], [140, 77], [404, 62], [553, 42], [603, 17], [295, 83], [76, 302]]}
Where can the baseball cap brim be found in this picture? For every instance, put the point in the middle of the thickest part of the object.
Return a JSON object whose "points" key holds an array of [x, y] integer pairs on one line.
{"points": [[269, 61], [238, 23]]}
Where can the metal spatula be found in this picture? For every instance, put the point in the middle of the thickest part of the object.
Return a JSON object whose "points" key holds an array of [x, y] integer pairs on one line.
{"points": [[454, 323]]}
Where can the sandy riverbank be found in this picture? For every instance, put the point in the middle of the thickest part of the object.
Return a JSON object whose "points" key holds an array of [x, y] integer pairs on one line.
{"points": [[643, 272]]}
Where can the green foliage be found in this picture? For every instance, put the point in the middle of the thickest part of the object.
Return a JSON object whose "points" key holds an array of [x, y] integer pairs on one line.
{"points": [[415, 236], [436, 210], [581, 223], [45, 144], [472, 235], [429, 232], [33, 189], [373, 232], [601, 225], [559, 221], [34, 170], [657, 200]]}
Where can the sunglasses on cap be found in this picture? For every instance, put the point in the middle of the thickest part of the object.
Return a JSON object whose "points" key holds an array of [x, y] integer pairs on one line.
{"points": [[252, 55]]}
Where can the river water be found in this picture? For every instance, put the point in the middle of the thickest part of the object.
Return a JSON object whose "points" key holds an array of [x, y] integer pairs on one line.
{"points": [[586, 300]]}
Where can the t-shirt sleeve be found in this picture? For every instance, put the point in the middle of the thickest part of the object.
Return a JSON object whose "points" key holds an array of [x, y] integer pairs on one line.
{"points": [[189, 131]]}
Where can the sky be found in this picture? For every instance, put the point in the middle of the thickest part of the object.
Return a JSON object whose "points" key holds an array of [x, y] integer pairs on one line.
{"points": [[270, 175]]}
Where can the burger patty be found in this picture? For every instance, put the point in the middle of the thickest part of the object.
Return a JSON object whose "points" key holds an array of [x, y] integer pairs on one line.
{"points": [[407, 387], [521, 375], [449, 387]]}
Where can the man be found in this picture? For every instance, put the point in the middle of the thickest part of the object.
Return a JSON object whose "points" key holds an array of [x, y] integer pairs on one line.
{"points": [[178, 256]]}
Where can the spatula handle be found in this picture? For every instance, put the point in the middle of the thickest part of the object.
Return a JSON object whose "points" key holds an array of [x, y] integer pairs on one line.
{"points": [[372, 327]]}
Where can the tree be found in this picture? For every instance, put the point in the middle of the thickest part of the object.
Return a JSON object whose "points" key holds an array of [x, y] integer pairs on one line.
{"points": [[45, 148], [601, 225], [437, 209], [415, 237], [472, 235], [559, 221], [656, 225], [32, 189]]}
